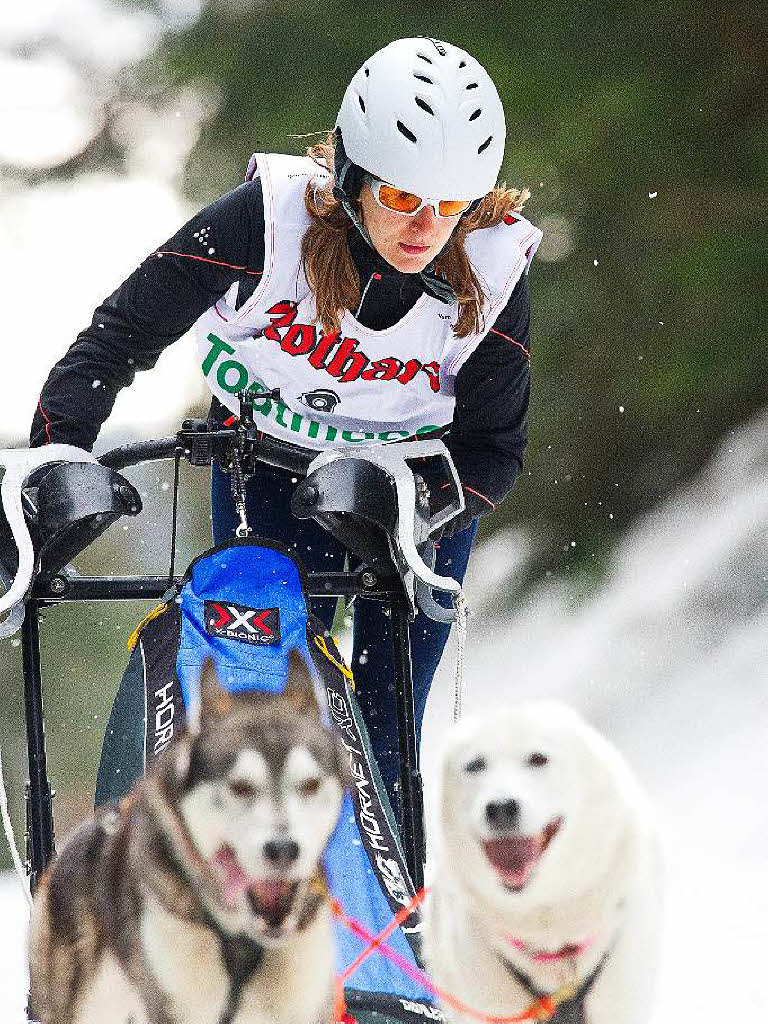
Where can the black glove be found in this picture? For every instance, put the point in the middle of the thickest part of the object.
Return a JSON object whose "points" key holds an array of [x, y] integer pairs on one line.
{"points": [[475, 505]]}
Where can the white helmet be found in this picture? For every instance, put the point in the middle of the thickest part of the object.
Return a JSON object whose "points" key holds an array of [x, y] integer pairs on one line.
{"points": [[425, 116]]}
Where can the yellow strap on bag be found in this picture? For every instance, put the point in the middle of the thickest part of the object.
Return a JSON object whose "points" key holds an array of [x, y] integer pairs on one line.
{"points": [[323, 646], [156, 612]]}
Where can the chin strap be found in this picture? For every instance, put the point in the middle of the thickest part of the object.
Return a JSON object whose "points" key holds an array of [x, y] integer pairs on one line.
{"points": [[437, 286]]}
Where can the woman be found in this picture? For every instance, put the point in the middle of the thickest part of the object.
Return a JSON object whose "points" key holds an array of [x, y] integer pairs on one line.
{"points": [[378, 311]]}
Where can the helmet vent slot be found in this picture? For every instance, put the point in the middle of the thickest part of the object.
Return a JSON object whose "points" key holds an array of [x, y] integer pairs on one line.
{"points": [[421, 56], [360, 101], [423, 78], [407, 132], [426, 106], [476, 114], [472, 85], [367, 72], [485, 145]]}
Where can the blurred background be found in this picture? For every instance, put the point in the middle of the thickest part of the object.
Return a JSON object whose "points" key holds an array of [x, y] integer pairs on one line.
{"points": [[627, 571]]}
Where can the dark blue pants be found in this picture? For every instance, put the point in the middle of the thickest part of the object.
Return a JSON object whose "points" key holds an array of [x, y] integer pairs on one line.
{"points": [[268, 495]]}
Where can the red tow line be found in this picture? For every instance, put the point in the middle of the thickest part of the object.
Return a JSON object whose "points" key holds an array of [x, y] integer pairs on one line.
{"points": [[543, 1009]]}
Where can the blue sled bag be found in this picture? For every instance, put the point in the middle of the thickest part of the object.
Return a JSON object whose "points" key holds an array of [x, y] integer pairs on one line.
{"points": [[244, 604]]}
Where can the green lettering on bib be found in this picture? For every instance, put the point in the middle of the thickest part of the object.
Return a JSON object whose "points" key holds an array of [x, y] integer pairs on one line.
{"points": [[362, 435], [391, 435], [281, 409], [217, 347], [240, 370], [265, 406]]}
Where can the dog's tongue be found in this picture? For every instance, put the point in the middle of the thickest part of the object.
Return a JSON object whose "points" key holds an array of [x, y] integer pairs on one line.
{"points": [[234, 880], [272, 898], [514, 857]]}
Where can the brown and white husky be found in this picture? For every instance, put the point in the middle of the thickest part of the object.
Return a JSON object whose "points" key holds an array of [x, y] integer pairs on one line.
{"points": [[202, 899]]}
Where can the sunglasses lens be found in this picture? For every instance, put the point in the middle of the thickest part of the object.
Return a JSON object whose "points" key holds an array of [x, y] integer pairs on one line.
{"points": [[452, 207], [395, 199]]}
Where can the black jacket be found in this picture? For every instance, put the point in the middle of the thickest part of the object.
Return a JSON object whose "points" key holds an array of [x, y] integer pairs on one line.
{"points": [[224, 243]]}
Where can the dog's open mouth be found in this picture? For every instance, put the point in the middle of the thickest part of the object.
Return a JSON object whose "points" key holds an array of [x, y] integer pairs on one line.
{"points": [[515, 856], [270, 899]]}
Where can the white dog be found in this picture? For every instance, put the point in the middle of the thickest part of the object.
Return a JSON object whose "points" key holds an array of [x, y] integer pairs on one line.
{"points": [[546, 872]]}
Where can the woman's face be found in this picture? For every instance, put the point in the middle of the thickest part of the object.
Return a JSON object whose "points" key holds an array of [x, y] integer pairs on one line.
{"points": [[406, 243]]}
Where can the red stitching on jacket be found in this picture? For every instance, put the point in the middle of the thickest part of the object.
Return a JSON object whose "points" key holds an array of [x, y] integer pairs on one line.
{"points": [[471, 491], [479, 495], [47, 420], [506, 337], [218, 263]]}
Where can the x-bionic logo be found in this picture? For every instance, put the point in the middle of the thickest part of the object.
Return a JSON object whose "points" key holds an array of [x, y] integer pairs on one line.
{"points": [[237, 622], [339, 356]]}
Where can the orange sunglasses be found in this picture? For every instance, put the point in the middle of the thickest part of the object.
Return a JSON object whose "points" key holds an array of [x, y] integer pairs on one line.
{"points": [[395, 199]]}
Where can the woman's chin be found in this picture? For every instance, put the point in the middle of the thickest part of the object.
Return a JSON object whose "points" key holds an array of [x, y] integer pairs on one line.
{"points": [[407, 262]]}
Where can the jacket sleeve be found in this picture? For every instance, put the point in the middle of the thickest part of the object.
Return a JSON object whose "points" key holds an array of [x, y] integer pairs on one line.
{"points": [[490, 424], [158, 303]]}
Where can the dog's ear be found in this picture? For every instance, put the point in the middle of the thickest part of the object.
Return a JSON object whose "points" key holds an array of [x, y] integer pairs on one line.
{"points": [[299, 688], [213, 701]]}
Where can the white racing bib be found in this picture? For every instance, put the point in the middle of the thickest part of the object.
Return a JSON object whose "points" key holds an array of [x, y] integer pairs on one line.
{"points": [[355, 385]]}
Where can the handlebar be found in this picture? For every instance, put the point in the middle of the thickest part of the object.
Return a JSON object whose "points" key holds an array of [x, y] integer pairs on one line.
{"points": [[141, 451], [200, 445], [238, 448]]}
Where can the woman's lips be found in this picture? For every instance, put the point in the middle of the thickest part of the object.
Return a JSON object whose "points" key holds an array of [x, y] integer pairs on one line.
{"points": [[414, 250]]}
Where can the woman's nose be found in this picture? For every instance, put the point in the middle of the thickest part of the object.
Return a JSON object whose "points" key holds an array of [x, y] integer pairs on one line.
{"points": [[424, 219]]}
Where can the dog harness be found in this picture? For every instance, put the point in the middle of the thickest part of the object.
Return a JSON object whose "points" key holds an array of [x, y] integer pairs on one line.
{"points": [[220, 606], [241, 957], [570, 1003]]}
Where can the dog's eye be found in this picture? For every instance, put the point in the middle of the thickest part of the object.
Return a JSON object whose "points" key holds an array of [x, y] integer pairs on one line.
{"points": [[477, 764], [537, 759], [241, 789], [309, 786]]}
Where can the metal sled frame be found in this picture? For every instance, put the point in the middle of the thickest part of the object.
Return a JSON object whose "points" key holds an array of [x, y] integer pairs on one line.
{"points": [[199, 447]]}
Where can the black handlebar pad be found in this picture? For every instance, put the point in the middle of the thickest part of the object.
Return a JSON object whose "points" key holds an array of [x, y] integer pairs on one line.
{"points": [[264, 449], [141, 451]]}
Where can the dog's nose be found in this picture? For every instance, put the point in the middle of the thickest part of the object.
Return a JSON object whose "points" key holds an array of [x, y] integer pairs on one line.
{"points": [[502, 813], [281, 852]]}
